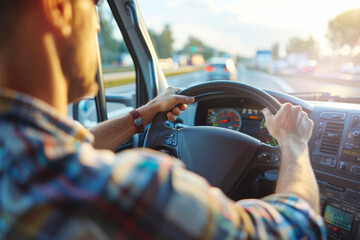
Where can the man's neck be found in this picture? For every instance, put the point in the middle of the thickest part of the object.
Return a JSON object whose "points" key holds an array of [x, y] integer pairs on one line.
{"points": [[35, 71]]}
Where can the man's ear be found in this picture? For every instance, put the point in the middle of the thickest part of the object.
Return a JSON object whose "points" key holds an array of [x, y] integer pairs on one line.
{"points": [[59, 15]]}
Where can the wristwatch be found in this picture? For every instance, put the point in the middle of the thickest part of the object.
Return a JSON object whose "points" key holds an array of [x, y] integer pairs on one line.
{"points": [[138, 121]]}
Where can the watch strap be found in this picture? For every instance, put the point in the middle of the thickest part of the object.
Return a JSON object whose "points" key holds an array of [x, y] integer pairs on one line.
{"points": [[138, 121]]}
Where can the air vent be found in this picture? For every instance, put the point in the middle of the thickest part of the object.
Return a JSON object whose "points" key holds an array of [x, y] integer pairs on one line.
{"points": [[332, 138]]}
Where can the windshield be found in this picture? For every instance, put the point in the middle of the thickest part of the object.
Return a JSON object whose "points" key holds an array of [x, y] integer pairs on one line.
{"points": [[284, 45]]}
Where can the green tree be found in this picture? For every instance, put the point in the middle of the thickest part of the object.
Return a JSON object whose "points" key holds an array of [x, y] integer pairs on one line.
{"points": [[195, 45], [110, 46], [155, 38], [343, 30], [193, 41], [241, 59], [163, 42], [308, 46], [167, 41]]}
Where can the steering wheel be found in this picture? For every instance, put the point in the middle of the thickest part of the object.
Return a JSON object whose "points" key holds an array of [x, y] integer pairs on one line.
{"points": [[220, 155]]}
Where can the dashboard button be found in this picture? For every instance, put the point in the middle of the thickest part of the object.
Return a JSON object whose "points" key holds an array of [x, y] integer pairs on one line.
{"points": [[342, 165], [349, 145], [356, 134], [355, 121], [355, 170], [326, 161], [318, 135], [264, 157], [276, 158], [170, 140]]}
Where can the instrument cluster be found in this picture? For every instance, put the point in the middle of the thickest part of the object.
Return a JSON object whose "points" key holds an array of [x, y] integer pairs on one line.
{"points": [[250, 121]]}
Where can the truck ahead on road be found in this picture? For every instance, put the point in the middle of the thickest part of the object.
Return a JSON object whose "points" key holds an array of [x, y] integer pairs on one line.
{"points": [[263, 59]]}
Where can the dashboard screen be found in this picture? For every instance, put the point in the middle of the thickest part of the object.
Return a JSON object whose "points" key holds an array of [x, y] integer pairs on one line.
{"points": [[338, 218], [246, 120]]}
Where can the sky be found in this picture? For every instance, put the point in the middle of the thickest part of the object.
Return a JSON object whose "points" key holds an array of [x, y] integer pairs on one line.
{"points": [[243, 26]]}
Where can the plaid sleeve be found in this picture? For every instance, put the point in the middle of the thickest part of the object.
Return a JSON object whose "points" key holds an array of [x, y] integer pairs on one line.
{"points": [[142, 194], [150, 195], [284, 216]]}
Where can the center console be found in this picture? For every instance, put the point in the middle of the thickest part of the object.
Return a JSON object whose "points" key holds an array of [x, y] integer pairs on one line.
{"points": [[336, 161], [340, 208]]}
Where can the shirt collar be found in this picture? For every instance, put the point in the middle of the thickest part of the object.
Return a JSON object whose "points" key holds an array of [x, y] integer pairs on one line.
{"points": [[29, 110]]}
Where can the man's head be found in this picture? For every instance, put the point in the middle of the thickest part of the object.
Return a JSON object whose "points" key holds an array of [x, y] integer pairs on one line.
{"points": [[71, 25], [78, 51]]}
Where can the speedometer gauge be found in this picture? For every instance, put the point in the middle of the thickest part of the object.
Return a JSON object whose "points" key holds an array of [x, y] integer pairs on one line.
{"points": [[228, 118], [265, 136]]}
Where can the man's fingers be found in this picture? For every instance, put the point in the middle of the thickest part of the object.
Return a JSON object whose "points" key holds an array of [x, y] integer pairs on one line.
{"points": [[287, 106], [183, 107], [184, 99], [174, 89], [171, 117], [267, 113], [176, 111]]}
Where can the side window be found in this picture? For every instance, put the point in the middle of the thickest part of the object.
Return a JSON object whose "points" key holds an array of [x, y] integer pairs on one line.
{"points": [[118, 70], [118, 66], [181, 57]]}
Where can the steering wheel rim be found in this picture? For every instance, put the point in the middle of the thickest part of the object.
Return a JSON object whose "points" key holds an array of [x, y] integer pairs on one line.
{"points": [[190, 144], [264, 98]]}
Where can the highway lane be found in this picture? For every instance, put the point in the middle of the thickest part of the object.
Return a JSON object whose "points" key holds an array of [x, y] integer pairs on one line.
{"points": [[187, 80], [299, 84], [258, 79], [263, 80], [286, 84], [303, 85]]}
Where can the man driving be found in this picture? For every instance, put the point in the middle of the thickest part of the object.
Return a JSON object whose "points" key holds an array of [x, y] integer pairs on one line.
{"points": [[54, 184]]}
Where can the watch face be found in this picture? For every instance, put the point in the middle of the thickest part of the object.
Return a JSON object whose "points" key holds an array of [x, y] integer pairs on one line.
{"points": [[138, 122]]}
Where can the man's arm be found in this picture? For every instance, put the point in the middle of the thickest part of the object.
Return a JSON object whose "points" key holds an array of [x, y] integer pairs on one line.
{"points": [[292, 128], [146, 194], [112, 133]]}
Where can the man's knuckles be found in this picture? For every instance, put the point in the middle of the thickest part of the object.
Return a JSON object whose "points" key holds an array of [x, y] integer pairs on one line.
{"points": [[297, 109], [176, 111], [286, 107], [183, 107], [171, 117]]}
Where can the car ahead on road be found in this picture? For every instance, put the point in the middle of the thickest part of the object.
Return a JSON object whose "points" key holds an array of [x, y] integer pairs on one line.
{"points": [[221, 69], [350, 68], [334, 145], [307, 66]]}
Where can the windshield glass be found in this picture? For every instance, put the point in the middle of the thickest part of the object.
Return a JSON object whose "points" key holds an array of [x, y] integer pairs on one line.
{"points": [[284, 45]]}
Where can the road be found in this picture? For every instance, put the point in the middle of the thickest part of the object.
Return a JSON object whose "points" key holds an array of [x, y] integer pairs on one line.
{"points": [[256, 78], [259, 79]]}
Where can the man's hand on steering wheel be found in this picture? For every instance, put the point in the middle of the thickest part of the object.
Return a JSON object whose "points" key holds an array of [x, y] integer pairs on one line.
{"points": [[124, 125], [292, 128], [290, 123], [166, 101]]}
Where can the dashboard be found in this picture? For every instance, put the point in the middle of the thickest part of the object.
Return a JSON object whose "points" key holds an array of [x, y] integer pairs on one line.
{"points": [[334, 149], [238, 116]]}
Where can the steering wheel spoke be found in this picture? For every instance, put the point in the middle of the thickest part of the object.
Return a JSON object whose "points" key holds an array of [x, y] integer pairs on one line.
{"points": [[267, 156], [167, 141]]}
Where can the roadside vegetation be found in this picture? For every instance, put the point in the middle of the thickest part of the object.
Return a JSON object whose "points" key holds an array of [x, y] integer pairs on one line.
{"points": [[124, 81]]}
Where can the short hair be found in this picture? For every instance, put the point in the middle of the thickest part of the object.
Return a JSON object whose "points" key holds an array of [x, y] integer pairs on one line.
{"points": [[10, 10]]}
